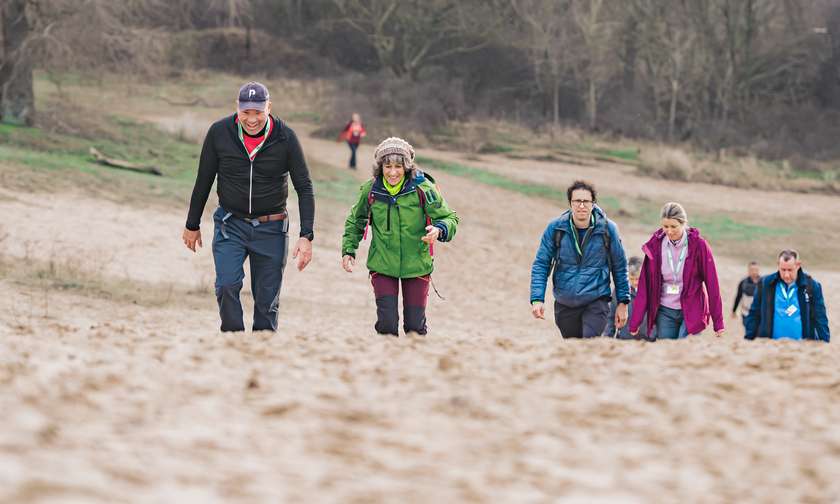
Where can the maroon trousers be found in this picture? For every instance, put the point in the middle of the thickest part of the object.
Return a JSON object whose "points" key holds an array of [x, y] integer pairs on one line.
{"points": [[415, 295]]}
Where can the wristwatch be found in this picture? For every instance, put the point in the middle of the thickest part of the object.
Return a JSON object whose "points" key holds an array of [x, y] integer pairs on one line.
{"points": [[309, 236]]}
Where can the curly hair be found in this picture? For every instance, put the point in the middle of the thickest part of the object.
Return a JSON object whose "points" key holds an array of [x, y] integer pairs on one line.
{"points": [[581, 184], [393, 158]]}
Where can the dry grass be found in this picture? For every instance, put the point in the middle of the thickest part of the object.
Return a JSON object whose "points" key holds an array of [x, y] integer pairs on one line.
{"points": [[673, 163], [77, 274]]}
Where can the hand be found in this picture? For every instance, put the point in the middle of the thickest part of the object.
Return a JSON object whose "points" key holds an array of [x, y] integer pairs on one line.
{"points": [[303, 253], [538, 310], [734, 315], [719, 333], [347, 262], [192, 238], [620, 315], [432, 233]]}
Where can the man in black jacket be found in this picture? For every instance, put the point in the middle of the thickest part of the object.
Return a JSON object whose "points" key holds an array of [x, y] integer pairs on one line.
{"points": [[251, 155]]}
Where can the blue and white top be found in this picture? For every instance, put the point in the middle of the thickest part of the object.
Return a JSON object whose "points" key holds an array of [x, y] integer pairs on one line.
{"points": [[787, 322]]}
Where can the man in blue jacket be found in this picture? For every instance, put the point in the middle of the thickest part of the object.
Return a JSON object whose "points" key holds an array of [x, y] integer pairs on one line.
{"points": [[788, 304], [580, 251]]}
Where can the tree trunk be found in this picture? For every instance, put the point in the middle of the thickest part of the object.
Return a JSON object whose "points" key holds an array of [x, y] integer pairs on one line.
{"points": [[593, 104], [556, 101], [17, 99], [631, 50], [672, 114]]}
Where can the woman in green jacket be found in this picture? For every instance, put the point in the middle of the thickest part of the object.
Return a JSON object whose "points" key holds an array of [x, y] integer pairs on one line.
{"points": [[407, 215]]}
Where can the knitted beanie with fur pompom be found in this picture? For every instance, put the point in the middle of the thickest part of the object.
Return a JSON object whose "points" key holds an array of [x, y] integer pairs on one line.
{"points": [[395, 145]]}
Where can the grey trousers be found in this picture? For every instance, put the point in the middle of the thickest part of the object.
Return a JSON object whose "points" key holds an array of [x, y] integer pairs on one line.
{"points": [[585, 321]]}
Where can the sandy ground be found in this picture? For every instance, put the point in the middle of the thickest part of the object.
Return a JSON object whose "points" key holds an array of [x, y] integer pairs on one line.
{"points": [[120, 400]]}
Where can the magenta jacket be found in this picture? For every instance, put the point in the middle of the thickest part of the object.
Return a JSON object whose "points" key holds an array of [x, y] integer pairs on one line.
{"points": [[699, 302]]}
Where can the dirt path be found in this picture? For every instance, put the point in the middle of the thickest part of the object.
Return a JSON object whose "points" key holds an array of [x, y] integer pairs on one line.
{"points": [[112, 401]]}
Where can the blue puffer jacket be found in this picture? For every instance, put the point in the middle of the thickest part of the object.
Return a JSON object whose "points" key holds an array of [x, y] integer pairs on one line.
{"points": [[580, 280]]}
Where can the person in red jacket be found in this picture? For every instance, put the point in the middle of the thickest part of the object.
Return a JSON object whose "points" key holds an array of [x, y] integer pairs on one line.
{"points": [[678, 287], [353, 134]]}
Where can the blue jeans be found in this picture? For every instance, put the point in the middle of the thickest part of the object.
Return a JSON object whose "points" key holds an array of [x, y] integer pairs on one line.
{"points": [[670, 324], [353, 147], [266, 244]]}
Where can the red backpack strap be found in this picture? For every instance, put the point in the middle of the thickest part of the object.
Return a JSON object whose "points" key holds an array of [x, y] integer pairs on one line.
{"points": [[422, 196], [369, 213]]}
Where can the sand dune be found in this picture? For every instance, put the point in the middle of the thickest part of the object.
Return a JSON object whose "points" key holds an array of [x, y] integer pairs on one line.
{"points": [[105, 400]]}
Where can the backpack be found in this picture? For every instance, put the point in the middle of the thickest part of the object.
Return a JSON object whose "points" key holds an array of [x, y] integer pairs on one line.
{"points": [[558, 240], [420, 194]]}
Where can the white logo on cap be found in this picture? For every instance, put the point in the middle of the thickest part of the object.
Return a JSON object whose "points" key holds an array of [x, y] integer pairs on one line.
{"points": [[251, 92]]}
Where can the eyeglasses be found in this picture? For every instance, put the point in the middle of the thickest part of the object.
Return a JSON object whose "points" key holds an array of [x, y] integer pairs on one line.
{"points": [[581, 203]]}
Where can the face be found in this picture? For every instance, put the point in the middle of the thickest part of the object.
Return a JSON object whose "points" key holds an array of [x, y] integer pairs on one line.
{"points": [[673, 229], [253, 121], [754, 272], [788, 270], [356, 118], [393, 171], [581, 205], [634, 281]]}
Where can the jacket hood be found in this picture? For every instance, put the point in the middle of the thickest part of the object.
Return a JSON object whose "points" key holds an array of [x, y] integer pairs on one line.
{"points": [[801, 278], [408, 187]]}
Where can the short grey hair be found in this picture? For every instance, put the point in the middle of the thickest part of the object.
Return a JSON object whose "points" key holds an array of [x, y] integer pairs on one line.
{"points": [[674, 211], [788, 254]]}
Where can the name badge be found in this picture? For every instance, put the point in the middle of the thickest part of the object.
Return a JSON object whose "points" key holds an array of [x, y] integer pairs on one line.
{"points": [[790, 311], [672, 289]]}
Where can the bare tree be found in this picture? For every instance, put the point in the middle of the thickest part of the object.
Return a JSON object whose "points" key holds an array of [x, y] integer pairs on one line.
{"points": [[667, 50], [17, 99], [546, 41], [409, 36], [598, 60], [231, 13]]}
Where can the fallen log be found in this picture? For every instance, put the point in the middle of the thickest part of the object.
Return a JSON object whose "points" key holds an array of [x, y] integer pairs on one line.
{"points": [[192, 103], [123, 165]]}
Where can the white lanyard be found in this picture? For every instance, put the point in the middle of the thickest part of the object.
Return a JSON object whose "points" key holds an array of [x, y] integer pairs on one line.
{"points": [[683, 252]]}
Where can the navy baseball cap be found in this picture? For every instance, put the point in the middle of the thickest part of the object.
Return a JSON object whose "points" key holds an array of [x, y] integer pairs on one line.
{"points": [[253, 96]]}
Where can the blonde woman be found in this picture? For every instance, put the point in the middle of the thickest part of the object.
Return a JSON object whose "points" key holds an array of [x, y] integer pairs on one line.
{"points": [[678, 286]]}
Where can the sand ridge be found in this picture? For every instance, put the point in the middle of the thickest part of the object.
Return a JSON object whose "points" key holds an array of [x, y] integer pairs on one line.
{"points": [[113, 400]]}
